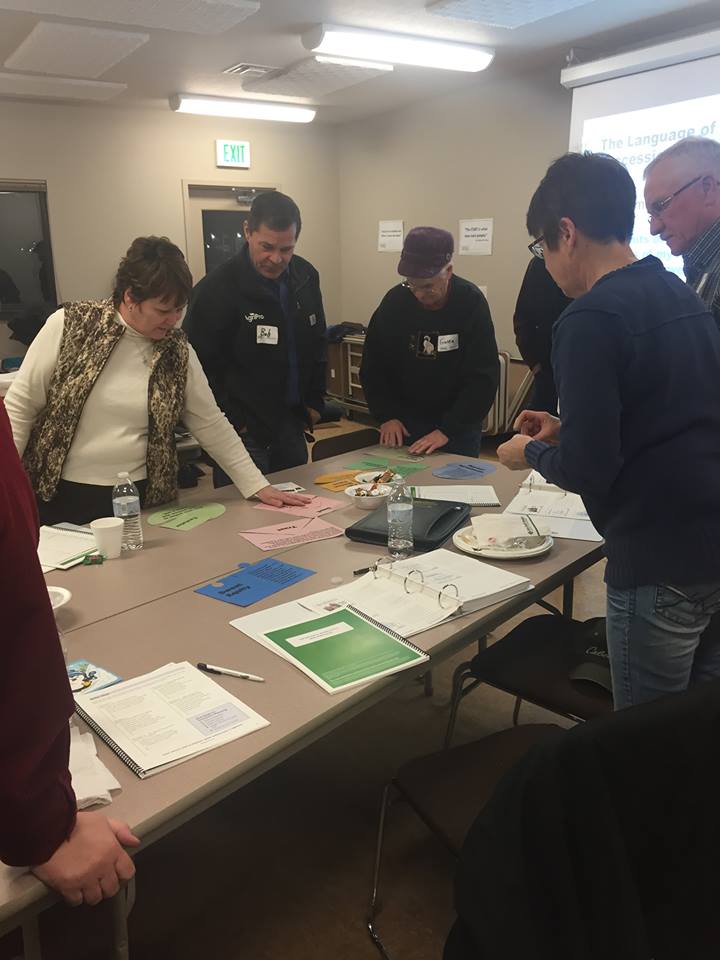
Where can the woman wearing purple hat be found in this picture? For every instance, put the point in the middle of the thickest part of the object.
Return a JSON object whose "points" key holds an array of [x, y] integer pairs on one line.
{"points": [[430, 363]]}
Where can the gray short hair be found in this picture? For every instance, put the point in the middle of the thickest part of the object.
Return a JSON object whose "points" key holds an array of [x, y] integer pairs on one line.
{"points": [[703, 150]]}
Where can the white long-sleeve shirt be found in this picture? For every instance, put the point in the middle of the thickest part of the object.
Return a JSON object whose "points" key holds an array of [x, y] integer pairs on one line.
{"points": [[111, 434]]}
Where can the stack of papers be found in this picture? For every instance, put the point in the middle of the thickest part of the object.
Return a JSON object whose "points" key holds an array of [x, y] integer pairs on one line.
{"points": [[564, 513], [165, 717], [476, 496], [60, 549], [91, 779], [337, 650]]}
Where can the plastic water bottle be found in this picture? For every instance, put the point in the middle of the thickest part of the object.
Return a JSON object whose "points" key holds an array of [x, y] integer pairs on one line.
{"points": [[400, 519], [126, 504]]}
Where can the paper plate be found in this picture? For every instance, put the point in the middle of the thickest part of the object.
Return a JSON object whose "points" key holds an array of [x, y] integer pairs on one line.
{"points": [[59, 596], [465, 540]]}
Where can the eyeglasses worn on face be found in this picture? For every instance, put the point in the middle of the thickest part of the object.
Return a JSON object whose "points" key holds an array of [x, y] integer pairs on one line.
{"points": [[422, 286], [658, 207], [537, 249]]}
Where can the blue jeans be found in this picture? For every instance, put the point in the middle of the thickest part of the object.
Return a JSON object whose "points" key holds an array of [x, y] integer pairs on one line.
{"points": [[654, 639], [287, 449]]}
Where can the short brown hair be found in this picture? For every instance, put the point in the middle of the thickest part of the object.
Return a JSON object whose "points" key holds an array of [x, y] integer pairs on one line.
{"points": [[153, 267]]}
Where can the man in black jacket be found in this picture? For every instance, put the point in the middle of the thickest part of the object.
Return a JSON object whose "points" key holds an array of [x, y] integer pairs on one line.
{"points": [[430, 362], [258, 326], [539, 304]]}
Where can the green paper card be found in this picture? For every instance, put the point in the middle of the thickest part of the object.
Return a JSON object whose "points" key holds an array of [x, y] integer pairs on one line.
{"points": [[375, 463], [186, 518]]}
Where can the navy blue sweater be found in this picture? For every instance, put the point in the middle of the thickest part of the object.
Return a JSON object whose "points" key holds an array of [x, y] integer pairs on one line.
{"points": [[637, 364]]}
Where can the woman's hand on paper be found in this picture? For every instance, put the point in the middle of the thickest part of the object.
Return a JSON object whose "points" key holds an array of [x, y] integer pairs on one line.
{"points": [[91, 864], [278, 498], [538, 425]]}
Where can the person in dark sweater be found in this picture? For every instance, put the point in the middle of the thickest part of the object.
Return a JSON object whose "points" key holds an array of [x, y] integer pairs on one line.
{"points": [[430, 363], [258, 326], [636, 359], [78, 854], [539, 304]]}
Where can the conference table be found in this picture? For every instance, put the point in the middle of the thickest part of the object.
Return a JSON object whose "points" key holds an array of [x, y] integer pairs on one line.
{"points": [[140, 612]]}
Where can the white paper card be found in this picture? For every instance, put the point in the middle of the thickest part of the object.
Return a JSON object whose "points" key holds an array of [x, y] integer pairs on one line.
{"points": [[476, 237], [448, 341], [266, 334], [390, 235]]}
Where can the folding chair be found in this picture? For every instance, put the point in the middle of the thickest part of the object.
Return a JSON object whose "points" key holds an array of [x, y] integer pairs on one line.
{"points": [[343, 443], [448, 789], [533, 662]]}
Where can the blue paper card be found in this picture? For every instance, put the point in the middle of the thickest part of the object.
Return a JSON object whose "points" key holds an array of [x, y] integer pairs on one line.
{"points": [[465, 471], [255, 581]]}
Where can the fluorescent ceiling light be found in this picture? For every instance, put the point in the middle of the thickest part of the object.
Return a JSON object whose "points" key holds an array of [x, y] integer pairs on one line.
{"points": [[349, 62], [244, 109], [397, 48]]}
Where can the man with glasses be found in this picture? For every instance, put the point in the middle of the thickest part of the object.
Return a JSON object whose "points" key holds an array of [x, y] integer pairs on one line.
{"points": [[430, 363], [636, 359], [682, 196]]}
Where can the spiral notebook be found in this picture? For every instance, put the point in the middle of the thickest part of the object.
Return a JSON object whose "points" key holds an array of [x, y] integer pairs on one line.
{"points": [[338, 650], [164, 717], [61, 548]]}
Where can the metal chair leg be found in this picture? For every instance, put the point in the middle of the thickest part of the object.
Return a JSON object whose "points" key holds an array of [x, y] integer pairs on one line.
{"points": [[372, 906], [516, 711], [459, 676], [31, 939], [122, 904]]}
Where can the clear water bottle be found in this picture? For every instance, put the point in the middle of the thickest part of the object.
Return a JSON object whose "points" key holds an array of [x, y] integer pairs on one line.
{"points": [[126, 504], [400, 519]]}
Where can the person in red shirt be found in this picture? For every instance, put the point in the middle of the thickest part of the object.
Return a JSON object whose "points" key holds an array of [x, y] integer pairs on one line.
{"points": [[80, 855]]}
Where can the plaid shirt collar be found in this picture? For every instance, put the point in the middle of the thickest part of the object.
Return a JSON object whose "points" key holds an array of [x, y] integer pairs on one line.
{"points": [[704, 253]]}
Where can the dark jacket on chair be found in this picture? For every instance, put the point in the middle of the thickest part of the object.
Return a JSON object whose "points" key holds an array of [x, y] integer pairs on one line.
{"points": [[602, 844]]}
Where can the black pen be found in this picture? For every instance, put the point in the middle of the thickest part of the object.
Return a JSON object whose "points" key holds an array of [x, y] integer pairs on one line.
{"points": [[356, 573], [227, 672]]}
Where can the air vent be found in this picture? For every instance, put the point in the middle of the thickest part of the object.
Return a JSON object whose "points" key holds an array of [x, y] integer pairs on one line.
{"points": [[248, 71]]}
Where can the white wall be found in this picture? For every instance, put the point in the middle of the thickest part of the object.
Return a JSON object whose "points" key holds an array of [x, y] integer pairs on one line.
{"points": [[115, 174], [478, 152]]}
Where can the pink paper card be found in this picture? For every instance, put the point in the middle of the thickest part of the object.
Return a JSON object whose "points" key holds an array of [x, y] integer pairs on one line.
{"points": [[291, 533], [317, 507]]}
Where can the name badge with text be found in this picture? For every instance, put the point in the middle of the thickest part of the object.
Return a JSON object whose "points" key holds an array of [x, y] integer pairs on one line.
{"points": [[266, 334], [448, 341]]}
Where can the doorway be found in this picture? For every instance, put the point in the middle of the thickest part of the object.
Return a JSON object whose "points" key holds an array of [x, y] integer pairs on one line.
{"points": [[214, 217]]}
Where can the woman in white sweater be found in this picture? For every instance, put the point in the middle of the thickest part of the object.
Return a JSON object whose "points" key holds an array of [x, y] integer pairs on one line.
{"points": [[103, 386]]}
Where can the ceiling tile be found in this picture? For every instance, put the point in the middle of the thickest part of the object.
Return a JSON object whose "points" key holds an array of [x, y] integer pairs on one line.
{"points": [[186, 16], [308, 78], [71, 51], [502, 13]]}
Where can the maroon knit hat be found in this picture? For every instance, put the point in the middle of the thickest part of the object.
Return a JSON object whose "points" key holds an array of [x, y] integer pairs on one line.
{"points": [[425, 252]]}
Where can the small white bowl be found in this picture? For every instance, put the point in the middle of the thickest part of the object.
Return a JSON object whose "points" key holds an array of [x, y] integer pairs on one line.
{"points": [[368, 502], [59, 596], [371, 476]]}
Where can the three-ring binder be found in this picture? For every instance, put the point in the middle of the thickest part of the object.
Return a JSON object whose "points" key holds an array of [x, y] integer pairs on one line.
{"points": [[447, 600]]}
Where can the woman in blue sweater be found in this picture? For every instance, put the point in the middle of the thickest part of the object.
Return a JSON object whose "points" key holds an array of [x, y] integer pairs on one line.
{"points": [[636, 359]]}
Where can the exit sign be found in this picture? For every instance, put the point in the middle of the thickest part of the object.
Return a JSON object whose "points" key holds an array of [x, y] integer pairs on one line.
{"points": [[232, 153]]}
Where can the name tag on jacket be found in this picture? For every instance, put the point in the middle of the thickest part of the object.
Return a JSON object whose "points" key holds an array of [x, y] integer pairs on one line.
{"points": [[265, 334], [448, 341]]}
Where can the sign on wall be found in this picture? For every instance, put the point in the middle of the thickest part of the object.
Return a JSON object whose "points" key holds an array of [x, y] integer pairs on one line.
{"points": [[476, 236], [390, 235], [232, 153]]}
